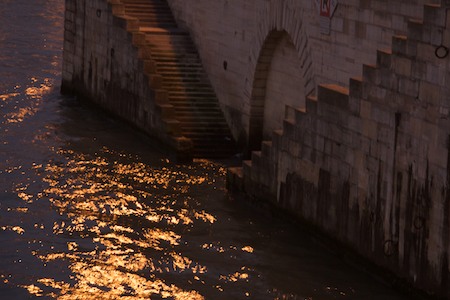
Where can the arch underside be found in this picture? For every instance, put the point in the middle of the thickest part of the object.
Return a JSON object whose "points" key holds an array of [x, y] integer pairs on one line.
{"points": [[279, 80]]}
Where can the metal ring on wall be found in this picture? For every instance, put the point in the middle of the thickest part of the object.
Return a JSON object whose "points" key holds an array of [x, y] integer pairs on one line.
{"points": [[441, 51]]}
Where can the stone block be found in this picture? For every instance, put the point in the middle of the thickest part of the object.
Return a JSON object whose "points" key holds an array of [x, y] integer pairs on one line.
{"points": [[377, 93], [402, 65], [311, 105], [68, 46], [399, 23], [382, 116], [284, 143], [247, 169], [319, 143], [365, 109], [418, 69], [369, 129], [117, 8], [374, 32], [70, 5], [68, 57], [138, 39], [331, 114], [355, 89], [266, 149], [433, 14], [430, 93], [354, 124], [294, 148], [389, 79], [70, 26], [385, 134], [354, 105], [333, 95], [416, 30], [372, 164], [67, 74], [336, 133], [289, 128], [360, 30], [371, 74], [426, 52], [172, 127], [399, 45], [339, 151], [382, 18], [436, 36], [436, 74], [166, 111], [408, 86], [347, 137], [328, 148], [384, 58]]}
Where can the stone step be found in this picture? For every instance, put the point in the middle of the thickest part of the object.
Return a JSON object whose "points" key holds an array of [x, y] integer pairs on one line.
{"points": [[186, 87], [176, 52], [179, 59], [147, 13], [195, 64], [175, 67], [177, 83], [186, 73], [206, 118], [174, 64], [169, 43], [384, 58], [208, 138], [266, 148], [195, 104], [205, 127], [192, 110], [199, 115], [174, 55], [182, 80], [333, 94], [157, 32], [192, 95], [155, 23], [171, 39]]}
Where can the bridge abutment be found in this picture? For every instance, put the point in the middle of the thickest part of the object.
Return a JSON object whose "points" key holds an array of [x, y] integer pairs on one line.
{"points": [[363, 154]]}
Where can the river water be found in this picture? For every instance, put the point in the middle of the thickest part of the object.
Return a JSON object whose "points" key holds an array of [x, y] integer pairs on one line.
{"points": [[91, 209]]}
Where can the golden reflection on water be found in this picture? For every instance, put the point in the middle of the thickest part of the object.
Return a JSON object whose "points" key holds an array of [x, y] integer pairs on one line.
{"points": [[6, 97], [125, 226], [34, 93]]}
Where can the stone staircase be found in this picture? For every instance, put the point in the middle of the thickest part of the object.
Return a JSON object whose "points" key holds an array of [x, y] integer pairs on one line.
{"points": [[184, 94], [258, 175]]}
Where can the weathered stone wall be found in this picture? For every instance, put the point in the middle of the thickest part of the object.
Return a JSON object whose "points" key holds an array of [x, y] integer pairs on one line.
{"points": [[366, 160], [103, 64], [234, 31], [369, 164]]}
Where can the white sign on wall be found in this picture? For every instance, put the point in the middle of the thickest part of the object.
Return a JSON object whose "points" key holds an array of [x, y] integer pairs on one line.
{"points": [[326, 9]]}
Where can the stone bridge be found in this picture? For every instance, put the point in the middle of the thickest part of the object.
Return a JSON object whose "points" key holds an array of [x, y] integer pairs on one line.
{"points": [[342, 111]]}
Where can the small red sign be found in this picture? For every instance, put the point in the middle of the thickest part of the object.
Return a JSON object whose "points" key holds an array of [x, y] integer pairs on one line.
{"points": [[325, 8]]}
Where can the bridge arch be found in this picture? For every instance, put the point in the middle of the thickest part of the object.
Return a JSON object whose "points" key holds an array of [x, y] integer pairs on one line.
{"points": [[281, 42]]}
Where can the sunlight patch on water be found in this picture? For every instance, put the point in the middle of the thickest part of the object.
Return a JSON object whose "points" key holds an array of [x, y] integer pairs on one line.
{"points": [[126, 224], [6, 97], [34, 93]]}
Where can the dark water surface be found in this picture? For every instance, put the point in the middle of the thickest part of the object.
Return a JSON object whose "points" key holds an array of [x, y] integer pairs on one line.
{"points": [[90, 209]]}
